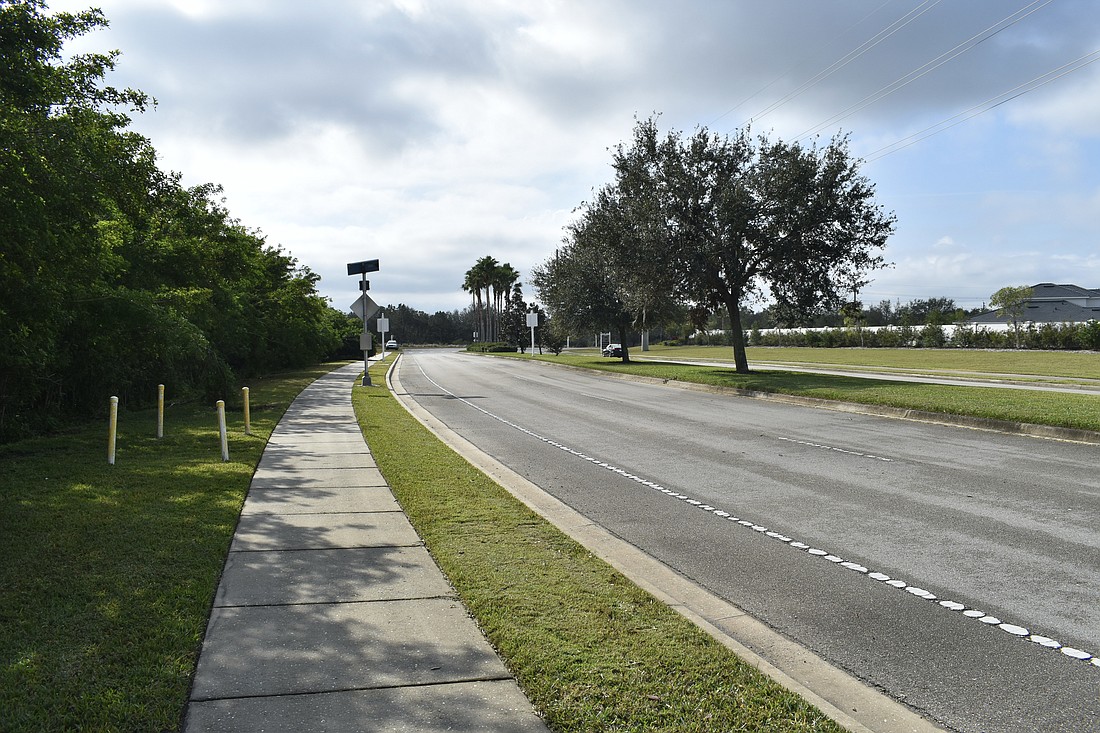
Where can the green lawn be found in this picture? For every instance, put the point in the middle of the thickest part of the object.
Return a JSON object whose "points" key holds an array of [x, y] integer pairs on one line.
{"points": [[1079, 411], [109, 572], [1068, 364]]}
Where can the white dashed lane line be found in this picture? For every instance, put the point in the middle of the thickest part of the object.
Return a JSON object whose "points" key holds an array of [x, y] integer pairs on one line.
{"points": [[835, 449], [815, 552]]}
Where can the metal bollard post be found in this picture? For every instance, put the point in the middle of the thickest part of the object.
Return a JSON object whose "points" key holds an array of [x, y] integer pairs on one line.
{"points": [[247, 416], [112, 431], [221, 430]]}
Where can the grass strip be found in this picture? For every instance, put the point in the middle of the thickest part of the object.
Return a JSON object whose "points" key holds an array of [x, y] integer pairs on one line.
{"points": [[590, 649], [109, 572], [1084, 365], [1059, 409]]}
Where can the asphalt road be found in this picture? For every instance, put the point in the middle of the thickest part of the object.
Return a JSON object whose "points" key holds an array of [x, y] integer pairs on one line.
{"points": [[957, 570]]}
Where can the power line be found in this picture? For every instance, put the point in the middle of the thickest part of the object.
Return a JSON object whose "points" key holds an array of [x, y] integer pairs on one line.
{"points": [[986, 106], [849, 57], [967, 45], [789, 69]]}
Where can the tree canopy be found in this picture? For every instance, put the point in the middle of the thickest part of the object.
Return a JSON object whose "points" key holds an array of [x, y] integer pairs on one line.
{"points": [[490, 283], [711, 221], [113, 276], [1011, 301]]}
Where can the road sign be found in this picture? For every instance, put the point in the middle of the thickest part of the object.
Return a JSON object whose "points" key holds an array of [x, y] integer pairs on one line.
{"points": [[383, 325], [364, 307], [358, 268]]}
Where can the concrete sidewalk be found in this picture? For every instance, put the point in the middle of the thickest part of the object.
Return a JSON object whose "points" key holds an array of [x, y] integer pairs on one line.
{"points": [[331, 615]]}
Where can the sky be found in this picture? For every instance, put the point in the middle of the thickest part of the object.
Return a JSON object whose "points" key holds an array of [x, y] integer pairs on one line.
{"points": [[429, 133]]}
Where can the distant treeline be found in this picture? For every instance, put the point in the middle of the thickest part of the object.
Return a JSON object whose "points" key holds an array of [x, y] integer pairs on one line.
{"points": [[442, 328]]}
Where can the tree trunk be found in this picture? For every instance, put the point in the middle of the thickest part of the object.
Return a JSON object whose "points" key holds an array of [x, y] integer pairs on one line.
{"points": [[622, 342], [737, 336]]}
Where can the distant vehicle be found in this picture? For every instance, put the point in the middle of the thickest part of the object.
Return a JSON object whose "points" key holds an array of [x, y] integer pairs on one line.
{"points": [[613, 350], [391, 345]]}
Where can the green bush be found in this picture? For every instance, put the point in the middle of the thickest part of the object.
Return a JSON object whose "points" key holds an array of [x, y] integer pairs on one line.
{"points": [[492, 347]]}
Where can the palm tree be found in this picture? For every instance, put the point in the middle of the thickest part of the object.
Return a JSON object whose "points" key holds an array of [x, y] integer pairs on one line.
{"points": [[480, 278], [490, 283], [473, 287], [504, 277]]}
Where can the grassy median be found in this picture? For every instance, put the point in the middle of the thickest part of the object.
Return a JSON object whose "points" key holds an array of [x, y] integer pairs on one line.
{"points": [[1082, 365], [591, 650], [1079, 411], [109, 572]]}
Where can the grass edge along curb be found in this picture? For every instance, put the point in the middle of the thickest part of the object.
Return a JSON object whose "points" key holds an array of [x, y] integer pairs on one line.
{"points": [[589, 648]]}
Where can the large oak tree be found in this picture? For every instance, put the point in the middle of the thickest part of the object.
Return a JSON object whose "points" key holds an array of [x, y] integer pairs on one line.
{"points": [[746, 218]]}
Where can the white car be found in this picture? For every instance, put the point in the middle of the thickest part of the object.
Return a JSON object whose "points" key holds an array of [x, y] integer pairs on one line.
{"points": [[391, 345]]}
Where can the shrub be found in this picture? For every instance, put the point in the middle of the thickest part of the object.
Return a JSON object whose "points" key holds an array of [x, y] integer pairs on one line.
{"points": [[932, 337], [492, 347]]}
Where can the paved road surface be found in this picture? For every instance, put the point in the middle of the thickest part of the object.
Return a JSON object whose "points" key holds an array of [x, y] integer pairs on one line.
{"points": [[809, 518]]}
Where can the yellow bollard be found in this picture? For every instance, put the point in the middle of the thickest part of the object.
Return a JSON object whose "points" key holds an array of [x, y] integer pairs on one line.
{"points": [[247, 417], [221, 430], [160, 410], [112, 431]]}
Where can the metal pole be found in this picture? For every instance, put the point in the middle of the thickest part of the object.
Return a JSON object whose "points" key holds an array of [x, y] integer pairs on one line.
{"points": [[366, 362]]}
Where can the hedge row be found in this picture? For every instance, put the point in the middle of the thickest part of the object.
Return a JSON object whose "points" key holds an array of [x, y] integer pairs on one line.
{"points": [[1047, 336], [492, 347]]}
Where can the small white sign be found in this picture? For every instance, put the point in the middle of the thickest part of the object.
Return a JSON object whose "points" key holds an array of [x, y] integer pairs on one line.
{"points": [[383, 325], [532, 319]]}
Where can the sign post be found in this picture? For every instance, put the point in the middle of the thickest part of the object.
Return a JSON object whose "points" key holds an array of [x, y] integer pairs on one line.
{"points": [[383, 326], [364, 302], [532, 321]]}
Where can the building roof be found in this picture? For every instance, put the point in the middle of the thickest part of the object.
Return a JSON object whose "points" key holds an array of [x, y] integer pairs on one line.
{"points": [[1050, 303], [1044, 312], [1050, 291]]}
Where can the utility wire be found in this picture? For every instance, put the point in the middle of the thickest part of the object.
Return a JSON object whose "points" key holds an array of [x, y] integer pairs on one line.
{"points": [[986, 106], [849, 57], [789, 69], [967, 45]]}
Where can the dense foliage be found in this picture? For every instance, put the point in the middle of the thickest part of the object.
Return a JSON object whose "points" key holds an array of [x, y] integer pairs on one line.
{"points": [[707, 222], [113, 276]]}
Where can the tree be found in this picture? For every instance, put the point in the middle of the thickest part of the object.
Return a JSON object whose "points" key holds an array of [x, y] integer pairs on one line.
{"points": [[588, 284], [1012, 302], [551, 335], [744, 219], [612, 273], [490, 283], [514, 320]]}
